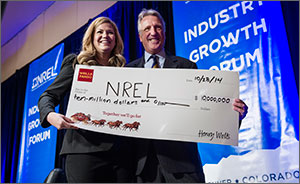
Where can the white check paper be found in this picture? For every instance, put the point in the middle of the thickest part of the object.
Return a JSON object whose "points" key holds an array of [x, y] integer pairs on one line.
{"points": [[168, 104]]}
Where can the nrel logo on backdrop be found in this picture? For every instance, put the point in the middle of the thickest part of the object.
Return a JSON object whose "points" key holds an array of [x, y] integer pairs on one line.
{"points": [[44, 77]]}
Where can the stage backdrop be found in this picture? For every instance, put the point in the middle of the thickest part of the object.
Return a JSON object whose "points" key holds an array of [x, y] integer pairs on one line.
{"points": [[38, 145], [248, 37]]}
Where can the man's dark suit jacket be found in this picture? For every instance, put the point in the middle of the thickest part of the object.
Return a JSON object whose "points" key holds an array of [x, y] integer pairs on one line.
{"points": [[77, 140], [174, 156]]}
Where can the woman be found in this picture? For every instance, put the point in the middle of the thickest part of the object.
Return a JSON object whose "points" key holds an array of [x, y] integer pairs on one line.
{"points": [[90, 156]]}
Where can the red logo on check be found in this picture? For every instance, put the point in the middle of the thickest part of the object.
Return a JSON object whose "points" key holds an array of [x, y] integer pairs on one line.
{"points": [[85, 75]]}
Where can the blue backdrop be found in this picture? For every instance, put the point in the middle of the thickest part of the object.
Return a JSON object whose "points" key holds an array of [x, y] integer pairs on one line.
{"points": [[38, 145], [248, 37]]}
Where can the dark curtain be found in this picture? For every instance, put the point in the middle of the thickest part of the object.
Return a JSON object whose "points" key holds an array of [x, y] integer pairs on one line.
{"points": [[125, 14], [12, 103], [290, 11]]}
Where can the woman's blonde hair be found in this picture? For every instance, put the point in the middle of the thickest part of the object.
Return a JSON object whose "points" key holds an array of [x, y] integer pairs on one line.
{"points": [[87, 55]]}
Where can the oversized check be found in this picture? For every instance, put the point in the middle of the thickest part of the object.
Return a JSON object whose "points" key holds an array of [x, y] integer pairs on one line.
{"points": [[169, 104]]}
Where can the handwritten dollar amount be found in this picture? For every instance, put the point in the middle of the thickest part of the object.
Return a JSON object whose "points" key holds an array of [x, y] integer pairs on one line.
{"points": [[208, 98]]}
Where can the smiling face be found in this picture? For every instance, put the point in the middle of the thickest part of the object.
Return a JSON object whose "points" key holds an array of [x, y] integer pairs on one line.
{"points": [[152, 34], [104, 38]]}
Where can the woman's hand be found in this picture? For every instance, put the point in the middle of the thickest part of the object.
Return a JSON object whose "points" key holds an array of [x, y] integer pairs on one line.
{"points": [[60, 121], [240, 106]]}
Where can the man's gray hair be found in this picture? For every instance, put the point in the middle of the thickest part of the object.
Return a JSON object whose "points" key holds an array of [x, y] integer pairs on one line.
{"points": [[152, 12]]}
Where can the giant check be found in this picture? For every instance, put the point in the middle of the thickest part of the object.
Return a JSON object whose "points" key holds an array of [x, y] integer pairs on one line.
{"points": [[169, 104]]}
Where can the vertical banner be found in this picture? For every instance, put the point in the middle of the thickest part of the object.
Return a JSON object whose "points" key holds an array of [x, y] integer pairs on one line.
{"points": [[248, 37], [38, 145]]}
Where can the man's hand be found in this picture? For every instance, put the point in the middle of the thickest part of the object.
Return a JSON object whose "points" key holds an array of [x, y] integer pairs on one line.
{"points": [[240, 106]]}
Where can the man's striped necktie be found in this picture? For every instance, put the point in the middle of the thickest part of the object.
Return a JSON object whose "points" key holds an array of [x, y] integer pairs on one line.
{"points": [[155, 61]]}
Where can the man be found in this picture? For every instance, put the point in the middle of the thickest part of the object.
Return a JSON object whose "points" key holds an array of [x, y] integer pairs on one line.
{"points": [[161, 160]]}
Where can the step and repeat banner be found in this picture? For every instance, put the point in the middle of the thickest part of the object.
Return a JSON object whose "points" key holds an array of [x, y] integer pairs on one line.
{"points": [[38, 145], [248, 37]]}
